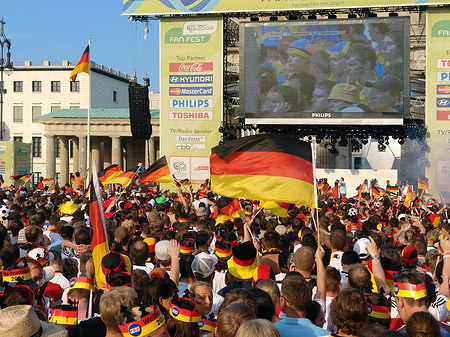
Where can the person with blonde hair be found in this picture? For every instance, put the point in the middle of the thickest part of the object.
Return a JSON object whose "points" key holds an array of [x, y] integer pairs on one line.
{"points": [[270, 287], [422, 324], [110, 308], [232, 317], [258, 328], [201, 294]]}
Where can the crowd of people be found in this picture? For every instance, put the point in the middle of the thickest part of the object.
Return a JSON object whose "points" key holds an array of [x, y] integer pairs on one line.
{"points": [[331, 68], [355, 266]]}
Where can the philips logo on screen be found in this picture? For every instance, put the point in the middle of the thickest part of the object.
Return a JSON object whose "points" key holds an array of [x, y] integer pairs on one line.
{"points": [[442, 102], [190, 103], [199, 27], [191, 79], [191, 91]]}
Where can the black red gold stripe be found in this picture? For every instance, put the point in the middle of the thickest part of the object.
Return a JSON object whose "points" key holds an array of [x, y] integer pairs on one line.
{"points": [[82, 65], [158, 172]]}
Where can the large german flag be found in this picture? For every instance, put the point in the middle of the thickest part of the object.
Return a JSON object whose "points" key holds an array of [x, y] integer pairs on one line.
{"points": [[423, 182], [82, 65], [263, 167], [227, 209], [278, 208], [124, 178], [409, 197], [159, 172], [99, 243], [109, 173]]}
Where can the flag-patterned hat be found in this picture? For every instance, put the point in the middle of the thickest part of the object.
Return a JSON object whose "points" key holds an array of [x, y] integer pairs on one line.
{"points": [[243, 261]]}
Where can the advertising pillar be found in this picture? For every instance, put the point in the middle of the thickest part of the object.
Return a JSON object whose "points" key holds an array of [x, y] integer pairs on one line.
{"points": [[191, 93]]}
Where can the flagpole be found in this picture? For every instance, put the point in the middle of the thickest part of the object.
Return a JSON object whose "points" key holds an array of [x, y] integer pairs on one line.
{"points": [[125, 188], [313, 151], [88, 146]]}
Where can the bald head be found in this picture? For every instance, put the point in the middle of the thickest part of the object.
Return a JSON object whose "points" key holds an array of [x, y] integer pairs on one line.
{"points": [[304, 259], [139, 252]]}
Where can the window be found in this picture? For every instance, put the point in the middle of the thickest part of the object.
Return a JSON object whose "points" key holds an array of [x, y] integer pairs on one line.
{"points": [[37, 86], [57, 176], [18, 114], [75, 86], [357, 163], [55, 107], [115, 96], [18, 86], [57, 147], [37, 113], [18, 139], [36, 177], [74, 106], [37, 147], [56, 86], [70, 148]]}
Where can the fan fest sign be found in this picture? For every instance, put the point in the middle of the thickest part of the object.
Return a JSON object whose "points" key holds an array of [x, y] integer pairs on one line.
{"points": [[438, 98], [162, 7], [191, 93]]}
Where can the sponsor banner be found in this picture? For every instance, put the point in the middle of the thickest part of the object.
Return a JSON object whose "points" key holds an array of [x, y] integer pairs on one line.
{"points": [[443, 115], [190, 103], [442, 102], [191, 79], [191, 93], [162, 7], [18, 157], [191, 115], [438, 105]]}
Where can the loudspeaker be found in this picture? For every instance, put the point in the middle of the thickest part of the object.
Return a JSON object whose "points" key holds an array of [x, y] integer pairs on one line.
{"points": [[141, 127]]}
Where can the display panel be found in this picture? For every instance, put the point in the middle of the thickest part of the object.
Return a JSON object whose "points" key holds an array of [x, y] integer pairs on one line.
{"points": [[343, 72]]}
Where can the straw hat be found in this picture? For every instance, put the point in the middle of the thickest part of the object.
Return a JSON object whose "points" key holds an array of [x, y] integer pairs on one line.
{"points": [[22, 321], [68, 208]]}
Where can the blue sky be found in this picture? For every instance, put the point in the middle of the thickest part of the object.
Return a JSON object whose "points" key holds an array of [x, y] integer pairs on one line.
{"points": [[57, 30]]}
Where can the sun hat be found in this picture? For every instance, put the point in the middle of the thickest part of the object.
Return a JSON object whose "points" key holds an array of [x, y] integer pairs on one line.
{"points": [[162, 250], [361, 248], [204, 264], [223, 249], [22, 321], [68, 208], [242, 263]]}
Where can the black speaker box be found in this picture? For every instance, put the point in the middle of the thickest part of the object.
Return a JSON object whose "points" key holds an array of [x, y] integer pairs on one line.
{"points": [[141, 127]]}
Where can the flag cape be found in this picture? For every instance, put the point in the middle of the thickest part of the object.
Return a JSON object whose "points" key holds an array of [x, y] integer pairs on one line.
{"points": [[409, 197], [423, 183], [264, 167], [227, 209], [109, 173], [124, 178], [21, 177], [99, 243], [159, 172], [278, 208], [82, 65]]}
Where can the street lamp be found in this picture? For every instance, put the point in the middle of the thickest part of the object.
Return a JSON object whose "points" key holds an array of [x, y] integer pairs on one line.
{"points": [[4, 67]]}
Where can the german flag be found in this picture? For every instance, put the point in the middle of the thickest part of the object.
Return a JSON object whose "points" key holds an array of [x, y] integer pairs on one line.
{"points": [[2, 181], [280, 209], [409, 197], [124, 178], [423, 182], [392, 189], [377, 191], [48, 180], [360, 191], [21, 177], [264, 167], [82, 65], [159, 172], [227, 209], [99, 243], [108, 173]]}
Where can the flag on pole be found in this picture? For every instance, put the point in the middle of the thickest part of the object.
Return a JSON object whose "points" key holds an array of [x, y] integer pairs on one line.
{"points": [[265, 167], [377, 191], [21, 177], [392, 189], [423, 183], [109, 173], [99, 243], [82, 65], [280, 209], [409, 196], [124, 178], [227, 209], [159, 172]]}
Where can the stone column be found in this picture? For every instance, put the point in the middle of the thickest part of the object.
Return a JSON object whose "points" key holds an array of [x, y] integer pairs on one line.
{"points": [[64, 160], [152, 150], [95, 141], [107, 153], [131, 162], [76, 156], [50, 157], [82, 153], [116, 150]]}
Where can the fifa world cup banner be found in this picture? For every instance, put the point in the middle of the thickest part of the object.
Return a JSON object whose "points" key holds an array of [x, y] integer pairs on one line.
{"points": [[438, 99], [191, 93], [162, 7]]}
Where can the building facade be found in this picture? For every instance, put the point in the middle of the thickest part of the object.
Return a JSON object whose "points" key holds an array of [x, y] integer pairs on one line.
{"points": [[44, 107]]}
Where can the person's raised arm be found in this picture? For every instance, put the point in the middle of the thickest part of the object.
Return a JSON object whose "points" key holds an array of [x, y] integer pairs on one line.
{"points": [[321, 275], [378, 272], [174, 253]]}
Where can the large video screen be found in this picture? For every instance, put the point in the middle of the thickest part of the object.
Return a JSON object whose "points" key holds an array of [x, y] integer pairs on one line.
{"points": [[341, 72]]}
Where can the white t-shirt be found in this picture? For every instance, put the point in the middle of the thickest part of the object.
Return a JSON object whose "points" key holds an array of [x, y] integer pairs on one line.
{"points": [[219, 280], [60, 279], [335, 260]]}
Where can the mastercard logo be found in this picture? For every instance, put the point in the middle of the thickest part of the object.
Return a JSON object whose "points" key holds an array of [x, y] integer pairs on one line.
{"points": [[177, 91], [443, 89]]}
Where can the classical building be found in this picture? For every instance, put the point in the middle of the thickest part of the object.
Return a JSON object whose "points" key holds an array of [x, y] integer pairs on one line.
{"points": [[43, 107]]}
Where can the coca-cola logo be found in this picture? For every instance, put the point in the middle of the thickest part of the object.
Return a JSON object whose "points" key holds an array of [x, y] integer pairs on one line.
{"points": [[195, 67]]}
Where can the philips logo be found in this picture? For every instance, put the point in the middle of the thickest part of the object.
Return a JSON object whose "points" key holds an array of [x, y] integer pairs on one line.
{"points": [[442, 102], [190, 103], [199, 27]]}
